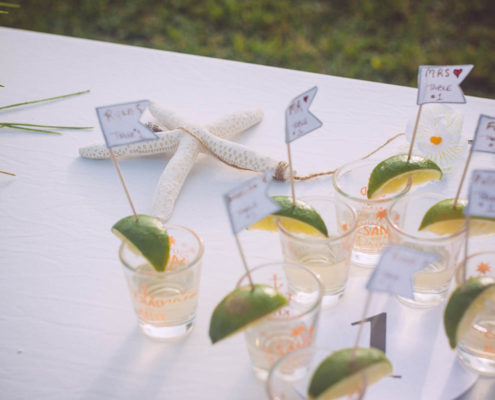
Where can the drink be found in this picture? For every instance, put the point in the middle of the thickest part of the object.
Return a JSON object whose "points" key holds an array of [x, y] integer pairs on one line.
{"points": [[328, 257], [165, 302], [293, 326]]}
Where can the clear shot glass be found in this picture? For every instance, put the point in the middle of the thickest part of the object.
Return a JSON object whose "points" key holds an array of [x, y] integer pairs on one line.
{"points": [[351, 185], [431, 285], [329, 258], [165, 302], [290, 328]]}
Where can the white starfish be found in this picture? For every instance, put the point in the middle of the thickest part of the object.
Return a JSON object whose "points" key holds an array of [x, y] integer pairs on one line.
{"points": [[184, 142]]}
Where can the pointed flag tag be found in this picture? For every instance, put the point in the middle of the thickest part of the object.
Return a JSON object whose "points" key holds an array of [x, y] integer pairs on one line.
{"points": [[396, 269], [481, 198], [299, 121], [120, 123], [484, 137], [441, 83], [249, 202]]}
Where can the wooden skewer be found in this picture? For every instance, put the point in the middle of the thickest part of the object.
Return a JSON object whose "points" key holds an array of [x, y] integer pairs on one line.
{"points": [[414, 133], [291, 175], [243, 258], [468, 161], [112, 156], [361, 323]]}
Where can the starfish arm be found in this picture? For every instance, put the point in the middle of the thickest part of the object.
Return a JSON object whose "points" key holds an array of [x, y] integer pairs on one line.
{"points": [[235, 154], [227, 127], [166, 143], [173, 177], [235, 123]]}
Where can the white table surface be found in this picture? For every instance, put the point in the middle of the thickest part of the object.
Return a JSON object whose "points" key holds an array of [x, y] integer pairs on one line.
{"points": [[67, 328]]}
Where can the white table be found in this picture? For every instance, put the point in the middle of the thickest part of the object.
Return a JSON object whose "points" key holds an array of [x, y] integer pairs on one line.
{"points": [[67, 329]]}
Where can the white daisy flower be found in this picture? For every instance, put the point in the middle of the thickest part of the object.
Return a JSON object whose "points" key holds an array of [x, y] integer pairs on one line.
{"points": [[439, 135]]}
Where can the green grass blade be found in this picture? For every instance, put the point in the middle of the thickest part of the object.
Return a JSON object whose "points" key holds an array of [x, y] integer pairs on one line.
{"points": [[44, 126], [43, 100], [31, 129]]}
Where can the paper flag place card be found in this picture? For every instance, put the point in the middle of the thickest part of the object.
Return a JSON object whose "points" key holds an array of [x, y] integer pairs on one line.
{"points": [[120, 123], [441, 83], [249, 202], [396, 269], [299, 121], [481, 198], [484, 137]]}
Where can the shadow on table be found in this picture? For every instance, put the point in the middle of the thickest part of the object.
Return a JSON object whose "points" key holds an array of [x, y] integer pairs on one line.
{"points": [[137, 370]]}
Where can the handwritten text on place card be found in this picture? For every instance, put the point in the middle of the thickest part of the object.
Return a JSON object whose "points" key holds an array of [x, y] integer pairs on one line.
{"points": [[120, 123], [484, 136], [299, 121], [441, 83], [481, 200], [396, 269], [249, 202]]}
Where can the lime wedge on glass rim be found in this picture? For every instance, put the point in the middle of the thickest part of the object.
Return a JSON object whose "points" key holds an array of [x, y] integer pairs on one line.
{"points": [[147, 236], [464, 305], [298, 218], [243, 307], [443, 219], [338, 376], [391, 175]]}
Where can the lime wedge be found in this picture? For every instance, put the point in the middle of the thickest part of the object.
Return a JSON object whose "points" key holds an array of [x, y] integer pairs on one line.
{"points": [[243, 307], [146, 236], [298, 218], [391, 175], [464, 305], [337, 376], [443, 219]]}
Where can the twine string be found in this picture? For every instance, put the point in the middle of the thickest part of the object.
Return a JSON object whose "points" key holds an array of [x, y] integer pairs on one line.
{"points": [[280, 171], [317, 174]]}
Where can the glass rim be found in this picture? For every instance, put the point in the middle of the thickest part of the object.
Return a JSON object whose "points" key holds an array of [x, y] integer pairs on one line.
{"points": [[288, 355], [192, 263], [316, 304], [318, 239], [342, 192], [401, 231]]}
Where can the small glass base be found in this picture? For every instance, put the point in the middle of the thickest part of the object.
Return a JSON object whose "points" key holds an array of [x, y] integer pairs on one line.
{"points": [[330, 300], [166, 333], [424, 300], [365, 260], [482, 366]]}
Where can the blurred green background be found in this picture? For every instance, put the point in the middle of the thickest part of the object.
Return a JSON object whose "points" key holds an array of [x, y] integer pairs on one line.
{"points": [[377, 40]]}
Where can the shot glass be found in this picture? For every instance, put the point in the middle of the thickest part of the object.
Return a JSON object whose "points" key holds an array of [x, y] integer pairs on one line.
{"points": [[166, 302], [431, 284], [476, 348], [329, 258], [290, 376], [290, 328], [351, 185]]}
